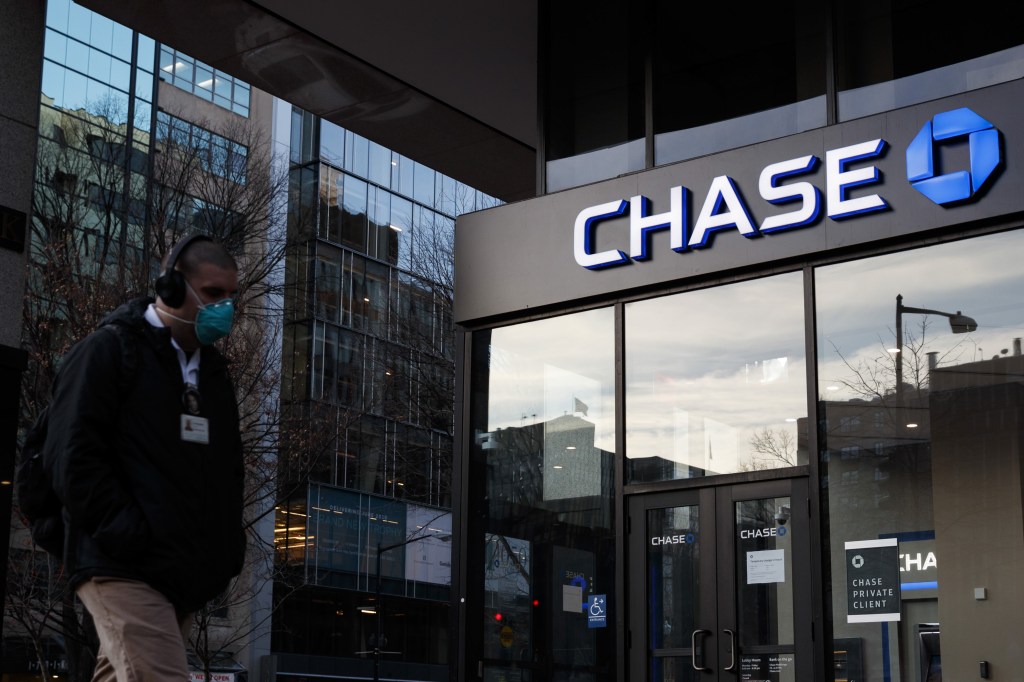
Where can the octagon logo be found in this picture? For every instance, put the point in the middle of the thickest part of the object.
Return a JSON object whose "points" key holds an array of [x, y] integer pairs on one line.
{"points": [[956, 186]]}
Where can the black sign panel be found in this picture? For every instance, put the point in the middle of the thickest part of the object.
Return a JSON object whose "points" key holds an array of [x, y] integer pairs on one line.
{"points": [[872, 581], [767, 667]]}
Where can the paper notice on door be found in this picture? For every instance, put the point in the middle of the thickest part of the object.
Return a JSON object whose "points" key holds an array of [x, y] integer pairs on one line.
{"points": [[572, 598], [766, 566]]}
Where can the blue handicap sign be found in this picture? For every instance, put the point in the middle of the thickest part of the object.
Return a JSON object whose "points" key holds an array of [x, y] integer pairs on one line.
{"points": [[597, 611]]}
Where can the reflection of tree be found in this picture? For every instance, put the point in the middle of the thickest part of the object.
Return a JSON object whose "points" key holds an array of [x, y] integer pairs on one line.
{"points": [[772, 448], [874, 377], [108, 203]]}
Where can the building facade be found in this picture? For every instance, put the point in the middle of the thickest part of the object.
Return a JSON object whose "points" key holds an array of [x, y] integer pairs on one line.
{"points": [[732, 399], [137, 145], [741, 387], [365, 415], [363, 541]]}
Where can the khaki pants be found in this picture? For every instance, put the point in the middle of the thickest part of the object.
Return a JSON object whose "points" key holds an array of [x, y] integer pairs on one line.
{"points": [[142, 638]]}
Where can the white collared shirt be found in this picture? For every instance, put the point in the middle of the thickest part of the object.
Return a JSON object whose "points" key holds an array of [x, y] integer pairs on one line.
{"points": [[189, 366]]}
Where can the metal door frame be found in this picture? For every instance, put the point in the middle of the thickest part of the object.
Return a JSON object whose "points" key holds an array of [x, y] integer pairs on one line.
{"points": [[718, 598]]}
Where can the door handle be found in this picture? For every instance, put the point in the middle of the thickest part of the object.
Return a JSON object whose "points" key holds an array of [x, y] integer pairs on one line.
{"points": [[732, 650], [693, 651]]}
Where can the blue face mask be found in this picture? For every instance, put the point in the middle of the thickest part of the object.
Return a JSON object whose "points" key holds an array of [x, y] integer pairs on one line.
{"points": [[214, 320]]}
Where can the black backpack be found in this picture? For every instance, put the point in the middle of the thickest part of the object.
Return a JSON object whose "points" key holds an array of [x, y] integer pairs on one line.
{"points": [[32, 483]]}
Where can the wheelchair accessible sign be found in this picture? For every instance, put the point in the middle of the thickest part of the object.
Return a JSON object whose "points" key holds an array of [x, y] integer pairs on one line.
{"points": [[597, 611]]}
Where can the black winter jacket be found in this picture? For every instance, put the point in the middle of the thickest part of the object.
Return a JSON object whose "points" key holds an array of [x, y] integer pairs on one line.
{"points": [[139, 502]]}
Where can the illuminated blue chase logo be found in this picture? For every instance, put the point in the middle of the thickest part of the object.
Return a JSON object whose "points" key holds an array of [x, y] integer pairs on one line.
{"points": [[780, 184], [957, 186]]}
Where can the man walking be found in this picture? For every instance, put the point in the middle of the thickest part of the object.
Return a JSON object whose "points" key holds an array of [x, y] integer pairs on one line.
{"points": [[150, 473]]}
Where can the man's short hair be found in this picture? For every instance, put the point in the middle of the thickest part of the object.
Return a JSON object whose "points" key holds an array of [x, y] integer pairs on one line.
{"points": [[205, 251]]}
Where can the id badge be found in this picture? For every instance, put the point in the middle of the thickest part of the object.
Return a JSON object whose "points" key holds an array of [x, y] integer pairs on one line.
{"points": [[195, 429]]}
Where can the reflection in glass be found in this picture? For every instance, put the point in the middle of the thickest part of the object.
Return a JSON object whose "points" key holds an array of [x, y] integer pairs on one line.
{"points": [[916, 460], [673, 576], [715, 381], [764, 576], [543, 454], [766, 81], [874, 74]]}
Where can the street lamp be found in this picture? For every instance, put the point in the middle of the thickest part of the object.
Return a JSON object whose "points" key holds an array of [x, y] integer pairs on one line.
{"points": [[444, 537], [958, 324]]}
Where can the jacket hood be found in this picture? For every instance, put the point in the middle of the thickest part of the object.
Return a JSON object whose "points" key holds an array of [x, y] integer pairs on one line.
{"points": [[130, 314]]}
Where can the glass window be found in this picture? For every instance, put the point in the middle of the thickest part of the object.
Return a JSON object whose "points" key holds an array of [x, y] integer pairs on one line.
{"points": [[78, 55], [384, 235], [610, 81], [404, 172], [380, 165], [79, 22], [57, 14], [332, 143], [697, 362], [923, 426], [401, 224], [202, 80], [447, 199], [121, 44], [766, 80], [53, 82], [353, 217], [898, 53], [328, 283], [423, 185], [143, 85], [55, 46], [543, 405], [222, 84], [357, 152], [121, 75], [146, 51], [76, 87], [241, 94], [375, 298], [331, 183]]}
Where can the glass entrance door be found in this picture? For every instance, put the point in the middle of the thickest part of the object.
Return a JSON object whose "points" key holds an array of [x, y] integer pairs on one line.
{"points": [[720, 584]]}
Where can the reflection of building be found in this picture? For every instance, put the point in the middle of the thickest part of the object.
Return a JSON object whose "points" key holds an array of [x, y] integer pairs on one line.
{"points": [[546, 481], [552, 466], [828, 98], [367, 381], [113, 112], [929, 468]]}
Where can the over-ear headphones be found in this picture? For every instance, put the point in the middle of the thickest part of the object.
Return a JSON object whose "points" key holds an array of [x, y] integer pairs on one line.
{"points": [[170, 285]]}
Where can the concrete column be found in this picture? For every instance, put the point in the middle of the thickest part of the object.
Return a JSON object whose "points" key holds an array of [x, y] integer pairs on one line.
{"points": [[21, 53]]}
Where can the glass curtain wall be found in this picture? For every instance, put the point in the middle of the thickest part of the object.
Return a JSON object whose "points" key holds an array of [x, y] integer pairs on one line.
{"points": [[902, 52], [921, 453], [920, 402], [711, 394], [372, 295], [369, 378], [544, 452], [688, 80]]}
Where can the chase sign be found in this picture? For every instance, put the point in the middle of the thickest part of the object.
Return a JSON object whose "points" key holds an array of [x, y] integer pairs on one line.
{"points": [[960, 185], [723, 207]]}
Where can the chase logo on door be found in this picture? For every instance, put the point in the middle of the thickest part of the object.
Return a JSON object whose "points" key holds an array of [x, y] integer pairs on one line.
{"points": [[753, 533]]}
